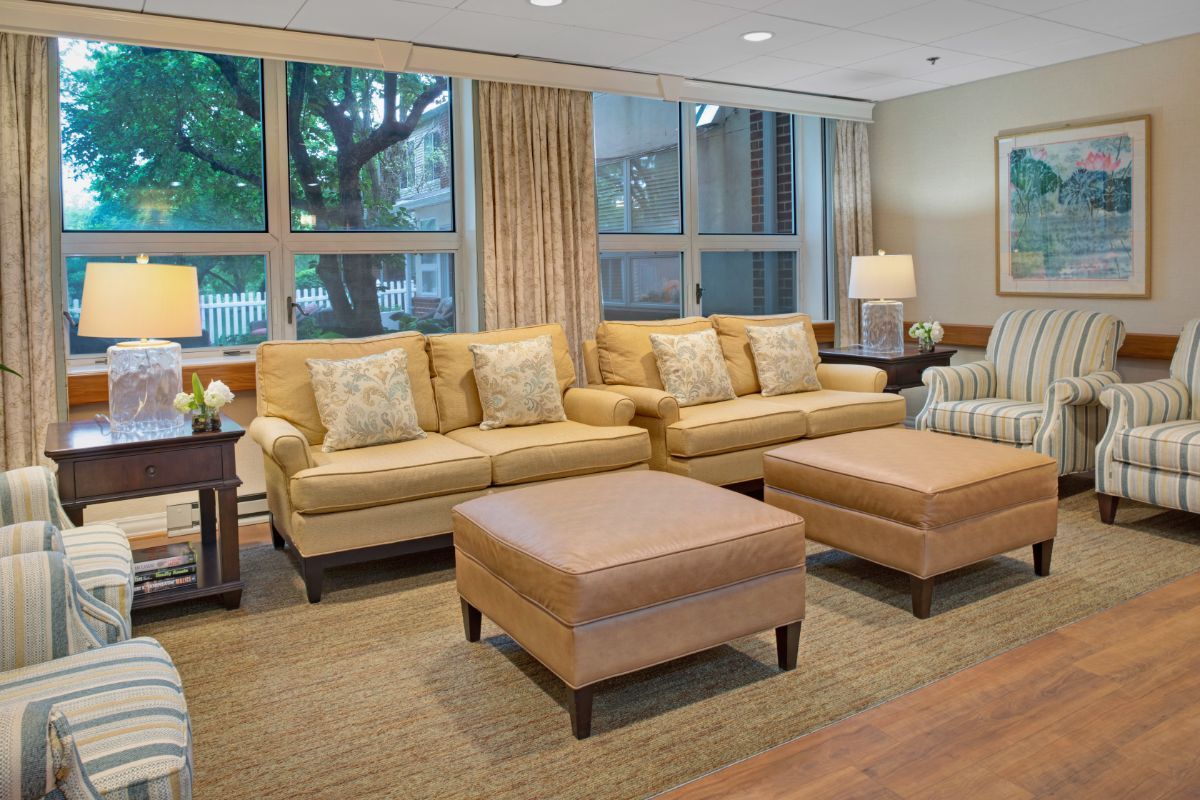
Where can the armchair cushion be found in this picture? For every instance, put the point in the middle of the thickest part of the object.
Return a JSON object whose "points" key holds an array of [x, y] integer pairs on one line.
{"points": [[828, 412], [988, 418], [555, 450], [1173, 446], [598, 407], [101, 724], [730, 425], [388, 473]]}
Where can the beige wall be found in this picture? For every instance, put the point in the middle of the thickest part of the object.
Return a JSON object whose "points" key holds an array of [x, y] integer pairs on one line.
{"points": [[932, 168]]}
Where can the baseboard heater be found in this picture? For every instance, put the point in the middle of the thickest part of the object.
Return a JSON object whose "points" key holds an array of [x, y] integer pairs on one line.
{"points": [[184, 518]]}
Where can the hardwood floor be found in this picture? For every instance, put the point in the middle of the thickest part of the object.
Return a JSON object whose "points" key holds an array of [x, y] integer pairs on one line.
{"points": [[1107, 707], [248, 536]]}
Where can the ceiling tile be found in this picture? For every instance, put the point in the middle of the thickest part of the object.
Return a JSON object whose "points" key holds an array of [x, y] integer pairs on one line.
{"points": [[1142, 21], [385, 19], [838, 13], [492, 34], [662, 19], [937, 20], [120, 5], [1026, 6], [975, 71], [914, 62], [1025, 33], [900, 88], [765, 71], [744, 5], [687, 60], [271, 13], [842, 82], [843, 47], [1082, 45], [726, 38], [442, 3]]}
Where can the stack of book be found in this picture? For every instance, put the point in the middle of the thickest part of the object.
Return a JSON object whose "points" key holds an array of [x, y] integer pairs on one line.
{"points": [[170, 566]]}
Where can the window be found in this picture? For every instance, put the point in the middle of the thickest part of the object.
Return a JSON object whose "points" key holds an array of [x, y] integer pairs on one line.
{"points": [[750, 283], [744, 168], [166, 152], [637, 165], [641, 286]]}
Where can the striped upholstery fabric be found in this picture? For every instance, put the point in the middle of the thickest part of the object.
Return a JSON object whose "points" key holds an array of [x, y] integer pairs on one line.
{"points": [[995, 420], [1031, 348], [29, 537], [107, 724], [1173, 446], [30, 494], [1185, 366]]}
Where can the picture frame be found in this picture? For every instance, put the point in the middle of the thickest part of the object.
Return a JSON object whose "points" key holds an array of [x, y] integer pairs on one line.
{"points": [[1073, 210]]}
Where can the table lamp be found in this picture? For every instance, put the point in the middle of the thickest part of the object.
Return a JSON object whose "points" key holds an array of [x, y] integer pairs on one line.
{"points": [[880, 280], [142, 302]]}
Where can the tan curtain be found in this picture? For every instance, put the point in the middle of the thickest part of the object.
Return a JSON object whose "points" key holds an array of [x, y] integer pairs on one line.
{"points": [[851, 218], [540, 260], [27, 403]]}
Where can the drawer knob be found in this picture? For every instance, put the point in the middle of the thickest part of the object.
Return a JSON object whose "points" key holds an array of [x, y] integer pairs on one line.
{"points": [[151, 471]]}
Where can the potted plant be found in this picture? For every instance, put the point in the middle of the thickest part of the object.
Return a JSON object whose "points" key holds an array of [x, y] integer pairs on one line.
{"points": [[927, 334], [205, 404]]}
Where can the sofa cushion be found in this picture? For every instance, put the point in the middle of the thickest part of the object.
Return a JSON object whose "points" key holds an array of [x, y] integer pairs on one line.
{"points": [[364, 401], [1173, 446], [517, 383], [555, 449], [829, 411], [735, 344], [783, 359], [1008, 421], [624, 352], [731, 425], [285, 389], [691, 367], [455, 390], [388, 473]]}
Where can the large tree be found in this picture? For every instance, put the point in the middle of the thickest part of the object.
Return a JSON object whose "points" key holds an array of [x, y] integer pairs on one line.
{"points": [[172, 140]]}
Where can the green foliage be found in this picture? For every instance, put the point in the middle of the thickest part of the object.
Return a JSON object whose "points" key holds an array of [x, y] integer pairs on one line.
{"points": [[197, 391], [9, 370]]}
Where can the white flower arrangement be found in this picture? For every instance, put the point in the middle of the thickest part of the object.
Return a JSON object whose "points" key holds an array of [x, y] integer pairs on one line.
{"points": [[928, 333], [201, 400]]}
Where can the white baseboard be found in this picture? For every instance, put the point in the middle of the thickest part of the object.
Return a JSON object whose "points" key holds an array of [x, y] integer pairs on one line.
{"points": [[250, 512]]}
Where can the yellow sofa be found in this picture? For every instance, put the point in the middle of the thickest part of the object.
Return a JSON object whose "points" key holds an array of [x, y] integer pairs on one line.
{"points": [[374, 502], [723, 443]]}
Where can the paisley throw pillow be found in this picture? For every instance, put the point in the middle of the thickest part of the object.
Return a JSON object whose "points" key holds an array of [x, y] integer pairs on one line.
{"points": [[364, 401], [782, 359], [517, 383], [692, 367]]}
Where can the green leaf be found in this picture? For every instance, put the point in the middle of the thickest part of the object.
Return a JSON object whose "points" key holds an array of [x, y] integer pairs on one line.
{"points": [[197, 391], [9, 370]]}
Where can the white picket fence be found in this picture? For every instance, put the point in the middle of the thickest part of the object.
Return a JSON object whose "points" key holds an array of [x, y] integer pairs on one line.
{"points": [[232, 314]]}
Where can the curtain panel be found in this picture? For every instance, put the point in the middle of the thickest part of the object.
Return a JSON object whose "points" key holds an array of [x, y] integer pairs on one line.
{"points": [[29, 402], [540, 250], [851, 218]]}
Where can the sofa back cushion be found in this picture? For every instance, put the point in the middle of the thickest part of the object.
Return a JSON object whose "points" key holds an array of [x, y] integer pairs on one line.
{"points": [[625, 355], [285, 388], [735, 344], [1185, 365], [453, 366], [1033, 347]]}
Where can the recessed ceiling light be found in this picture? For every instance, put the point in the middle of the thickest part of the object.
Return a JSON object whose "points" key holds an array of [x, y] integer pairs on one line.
{"points": [[756, 36], [545, 3]]}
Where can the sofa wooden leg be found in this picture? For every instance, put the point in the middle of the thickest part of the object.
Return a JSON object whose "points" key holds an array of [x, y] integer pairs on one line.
{"points": [[276, 537], [922, 596], [1108, 507], [472, 619], [314, 578], [787, 645], [580, 707], [1041, 557]]}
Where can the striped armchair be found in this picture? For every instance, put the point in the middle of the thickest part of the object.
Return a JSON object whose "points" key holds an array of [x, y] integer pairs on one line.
{"points": [[1039, 386], [99, 553], [1151, 450], [81, 718]]}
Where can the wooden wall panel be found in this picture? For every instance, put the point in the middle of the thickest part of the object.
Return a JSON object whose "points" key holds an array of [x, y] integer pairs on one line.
{"points": [[92, 387]]}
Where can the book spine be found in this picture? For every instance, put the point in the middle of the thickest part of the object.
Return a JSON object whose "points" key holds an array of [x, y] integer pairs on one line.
{"points": [[173, 572], [164, 563], [149, 587]]}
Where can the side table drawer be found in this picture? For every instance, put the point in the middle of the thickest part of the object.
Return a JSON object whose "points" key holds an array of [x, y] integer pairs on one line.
{"points": [[122, 474]]}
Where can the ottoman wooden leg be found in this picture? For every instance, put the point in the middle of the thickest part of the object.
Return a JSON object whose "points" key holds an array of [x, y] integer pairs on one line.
{"points": [[922, 596], [787, 644], [1041, 557], [472, 617], [1108, 507], [580, 706]]}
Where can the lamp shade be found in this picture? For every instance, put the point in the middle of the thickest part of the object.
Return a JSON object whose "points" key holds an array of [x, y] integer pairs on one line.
{"points": [[882, 277], [140, 301]]}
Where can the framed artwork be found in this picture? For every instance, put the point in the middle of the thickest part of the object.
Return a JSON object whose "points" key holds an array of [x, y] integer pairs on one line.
{"points": [[1073, 210]]}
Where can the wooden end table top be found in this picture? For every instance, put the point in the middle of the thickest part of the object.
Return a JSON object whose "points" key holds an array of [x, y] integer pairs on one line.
{"points": [[903, 368]]}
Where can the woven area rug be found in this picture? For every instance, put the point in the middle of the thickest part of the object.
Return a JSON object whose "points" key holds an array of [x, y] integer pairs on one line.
{"points": [[374, 692]]}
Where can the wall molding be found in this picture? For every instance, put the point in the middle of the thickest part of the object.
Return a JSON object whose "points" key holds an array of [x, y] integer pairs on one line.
{"points": [[92, 387], [1154, 346]]}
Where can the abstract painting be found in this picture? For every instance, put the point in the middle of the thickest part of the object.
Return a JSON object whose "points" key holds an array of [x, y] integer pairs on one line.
{"points": [[1072, 210]]}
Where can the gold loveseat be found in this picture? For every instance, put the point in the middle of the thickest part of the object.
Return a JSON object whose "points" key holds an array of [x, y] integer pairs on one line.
{"points": [[723, 442], [373, 502]]}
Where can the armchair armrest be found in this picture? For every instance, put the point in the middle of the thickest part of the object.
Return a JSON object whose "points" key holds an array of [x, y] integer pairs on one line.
{"points": [[851, 377], [36, 737], [1132, 405], [282, 442], [596, 407], [1083, 391], [29, 537], [963, 382], [649, 402], [30, 494]]}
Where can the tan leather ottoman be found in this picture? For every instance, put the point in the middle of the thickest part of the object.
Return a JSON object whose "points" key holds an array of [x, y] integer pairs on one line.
{"points": [[920, 502], [607, 574]]}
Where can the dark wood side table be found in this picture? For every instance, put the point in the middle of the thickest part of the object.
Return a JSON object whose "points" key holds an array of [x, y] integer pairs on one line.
{"points": [[96, 466], [903, 369]]}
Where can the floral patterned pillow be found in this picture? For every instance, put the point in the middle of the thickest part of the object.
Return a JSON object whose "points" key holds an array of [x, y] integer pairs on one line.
{"points": [[365, 401], [782, 359], [692, 367], [517, 383]]}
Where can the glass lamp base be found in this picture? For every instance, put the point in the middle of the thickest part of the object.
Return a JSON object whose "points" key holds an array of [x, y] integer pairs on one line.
{"points": [[883, 326], [143, 379]]}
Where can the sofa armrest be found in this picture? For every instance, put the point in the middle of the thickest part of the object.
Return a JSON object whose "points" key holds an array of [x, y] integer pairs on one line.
{"points": [[1132, 405], [282, 442], [654, 403], [29, 537], [596, 407], [851, 377]]}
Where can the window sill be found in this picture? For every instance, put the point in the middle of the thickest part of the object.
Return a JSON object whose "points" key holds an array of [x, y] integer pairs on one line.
{"points": [[88, 383]]}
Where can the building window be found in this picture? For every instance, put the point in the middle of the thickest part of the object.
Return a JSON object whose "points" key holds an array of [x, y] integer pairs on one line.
{"points": [[744, 161], [637, 165], [760, 282], [641, 286]]}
